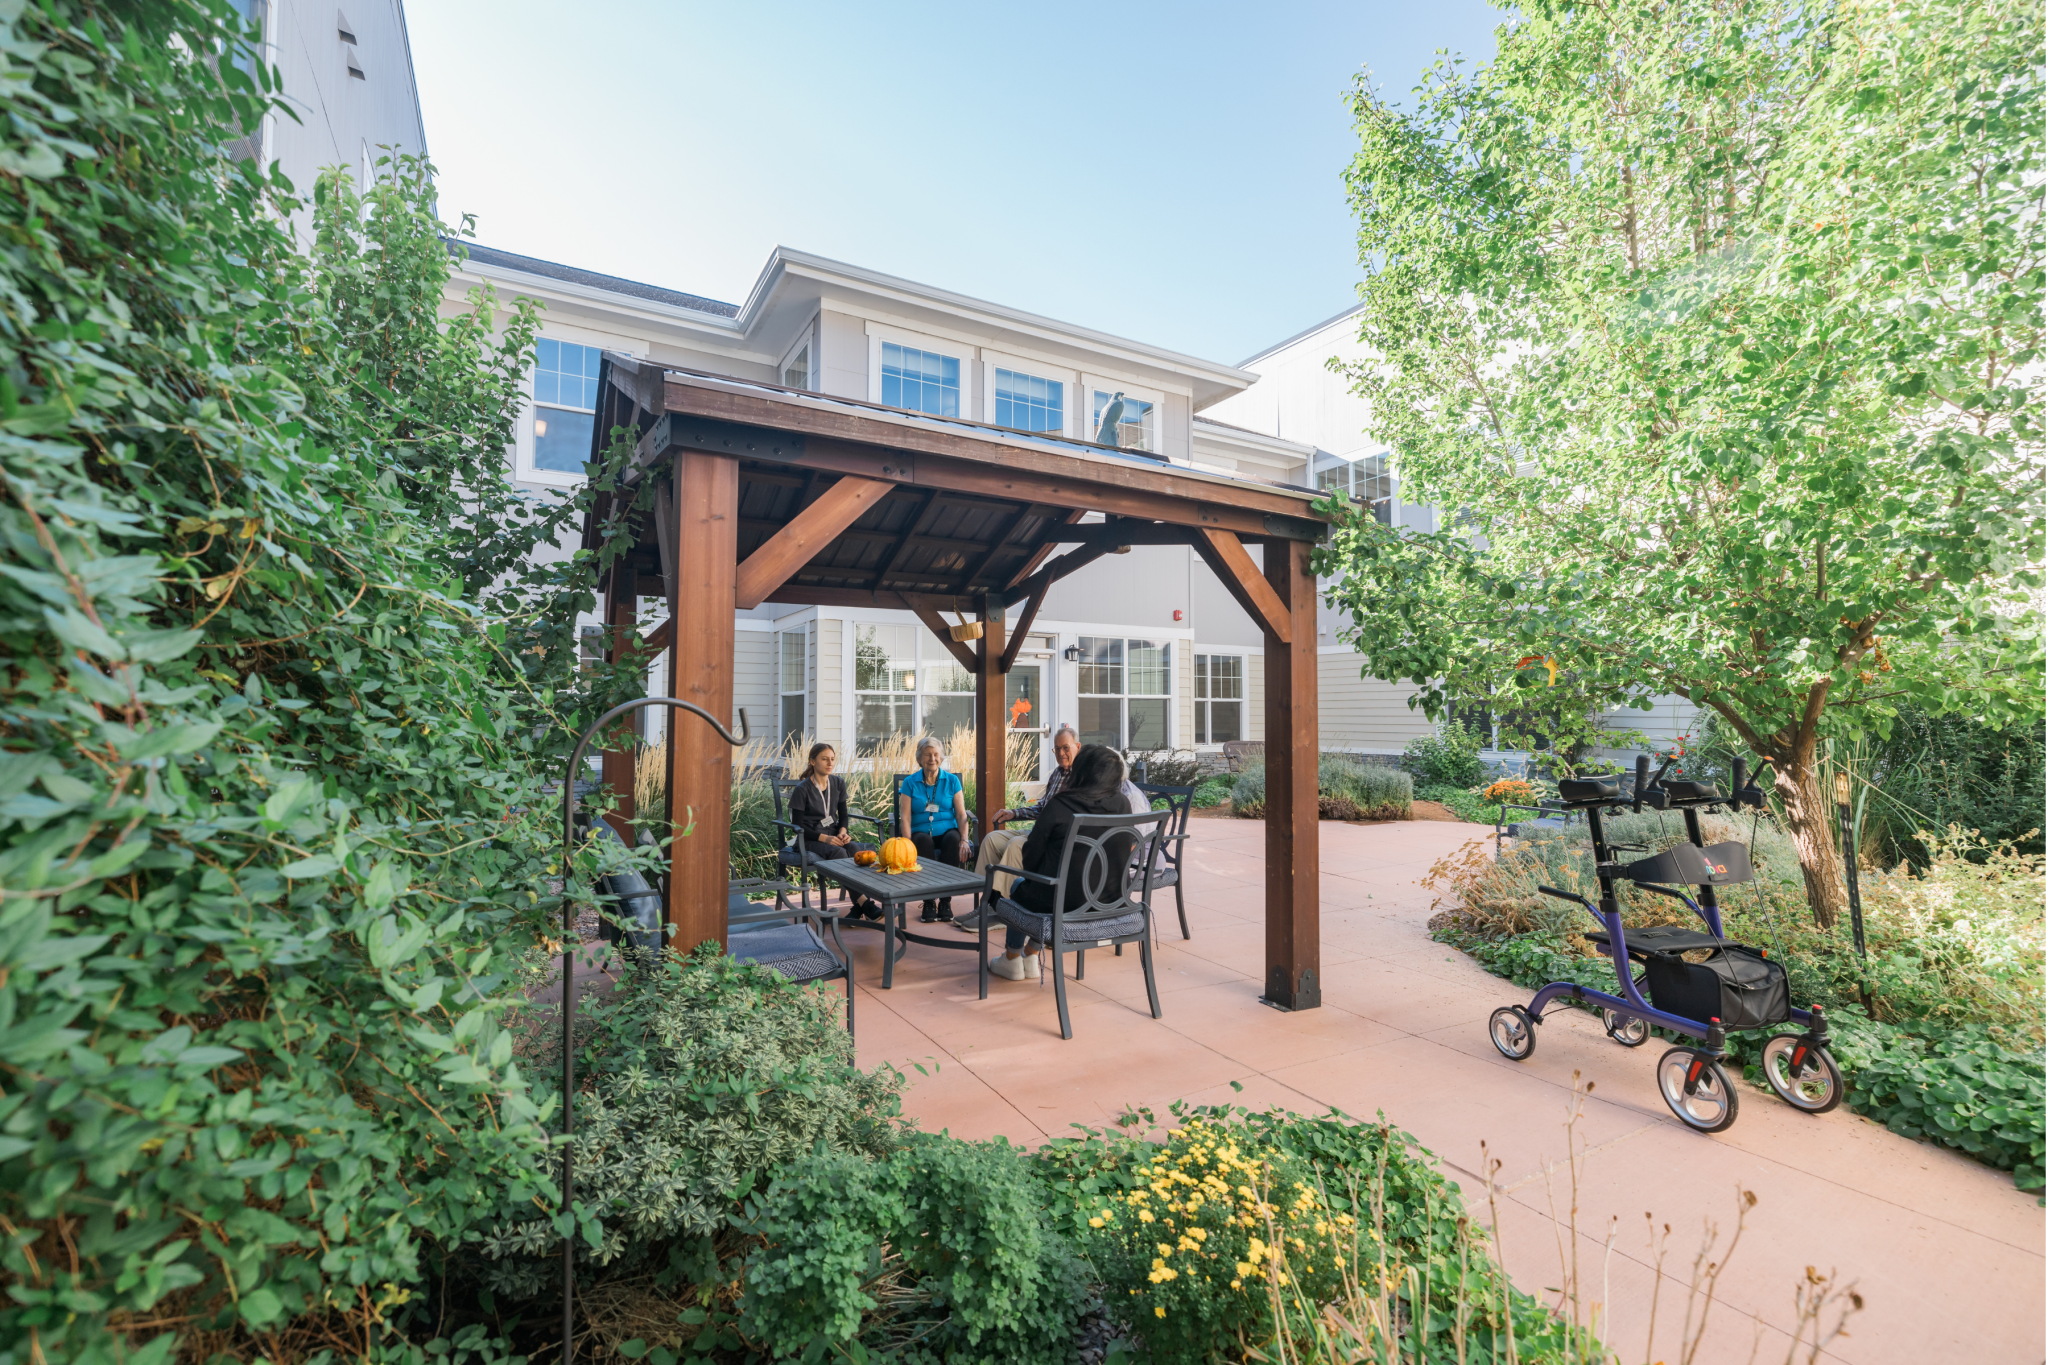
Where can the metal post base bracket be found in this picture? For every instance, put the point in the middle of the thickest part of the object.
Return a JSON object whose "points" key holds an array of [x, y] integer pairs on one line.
{"points": [[1307, 995]]}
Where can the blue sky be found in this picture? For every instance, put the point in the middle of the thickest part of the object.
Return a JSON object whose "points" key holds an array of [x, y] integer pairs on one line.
{"points": [[1169, 173]]}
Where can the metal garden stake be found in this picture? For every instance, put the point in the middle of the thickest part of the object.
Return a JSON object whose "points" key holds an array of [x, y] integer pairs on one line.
{"points": [[569, 946]]}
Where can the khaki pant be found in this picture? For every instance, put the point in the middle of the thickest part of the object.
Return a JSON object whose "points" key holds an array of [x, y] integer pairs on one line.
{"points": [[1001, 848]]}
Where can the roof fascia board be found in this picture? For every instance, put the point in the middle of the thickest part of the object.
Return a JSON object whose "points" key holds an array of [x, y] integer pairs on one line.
{"points": [[726, 330], [1218, 434], [1353, 311], [785, 261], [995, 437]]}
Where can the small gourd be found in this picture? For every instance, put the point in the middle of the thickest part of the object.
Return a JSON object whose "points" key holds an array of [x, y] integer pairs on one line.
{"points": [[899, 855]]}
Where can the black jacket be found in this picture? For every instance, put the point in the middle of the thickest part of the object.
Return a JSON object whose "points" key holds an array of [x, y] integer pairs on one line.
{"points": [[819, 812], [1048, 840]]}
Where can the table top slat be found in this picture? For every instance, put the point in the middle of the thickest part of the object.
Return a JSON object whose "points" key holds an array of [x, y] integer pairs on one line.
{"points": [[931, 880]]}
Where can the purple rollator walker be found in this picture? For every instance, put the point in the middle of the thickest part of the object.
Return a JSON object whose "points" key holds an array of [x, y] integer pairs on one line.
{"points": [[1736, 987]]}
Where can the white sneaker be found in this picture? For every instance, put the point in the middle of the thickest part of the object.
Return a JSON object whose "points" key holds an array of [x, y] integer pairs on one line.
{"points": [[1013, 968]]}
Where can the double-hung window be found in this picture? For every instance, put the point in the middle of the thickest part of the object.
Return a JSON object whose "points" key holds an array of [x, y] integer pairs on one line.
{"points": [[1219, 698], [884, 684], [564, 405], [790, 669], [1137, 420], [923, 381], [945, 690], [1028, 402], [1369, 478], [1125, 692]]}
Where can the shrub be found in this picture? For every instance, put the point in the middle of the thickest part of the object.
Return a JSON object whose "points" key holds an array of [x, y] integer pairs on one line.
{"points": [[272, 822], [941, 1252], [1449, 758], [1216, 1271], [1214, 792], [1346, 790], [698, 1081], [1166, 767]]}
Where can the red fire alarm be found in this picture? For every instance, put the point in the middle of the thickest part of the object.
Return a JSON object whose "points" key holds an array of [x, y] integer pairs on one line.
{"points": [[1176, 616]]}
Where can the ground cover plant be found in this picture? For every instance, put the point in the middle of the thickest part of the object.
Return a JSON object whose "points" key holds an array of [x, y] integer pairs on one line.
{"points": [[1599, 270], [1938, 1031]]}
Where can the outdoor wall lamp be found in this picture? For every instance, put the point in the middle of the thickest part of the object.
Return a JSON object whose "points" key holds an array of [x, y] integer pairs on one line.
{"points": [[1072, 654], [569, 947]]}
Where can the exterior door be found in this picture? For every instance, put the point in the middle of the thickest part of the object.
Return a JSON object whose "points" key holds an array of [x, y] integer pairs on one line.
{"points": [[1025, 696]]}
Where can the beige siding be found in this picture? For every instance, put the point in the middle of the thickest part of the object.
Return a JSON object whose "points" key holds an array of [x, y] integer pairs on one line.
{"points": [[842, 356], [1363, 715], [1184, 697], [753, 680], [831, 678]]}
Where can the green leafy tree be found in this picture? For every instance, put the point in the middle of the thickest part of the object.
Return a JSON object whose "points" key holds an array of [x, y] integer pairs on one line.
{"points": [[274, 829], [1719, 327]]}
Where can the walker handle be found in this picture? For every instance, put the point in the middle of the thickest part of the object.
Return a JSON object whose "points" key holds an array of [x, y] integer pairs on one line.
{"points": [[1565, 896]]}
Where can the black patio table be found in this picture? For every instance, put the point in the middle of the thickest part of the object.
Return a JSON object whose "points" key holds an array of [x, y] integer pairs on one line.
{"points": [[893, 891]]}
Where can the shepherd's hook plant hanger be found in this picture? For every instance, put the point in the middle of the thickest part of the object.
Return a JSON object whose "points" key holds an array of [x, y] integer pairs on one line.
{"points": [[569, 946]]}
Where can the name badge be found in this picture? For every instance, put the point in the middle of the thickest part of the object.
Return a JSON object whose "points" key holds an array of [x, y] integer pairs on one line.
{"points": [[930, 808]]}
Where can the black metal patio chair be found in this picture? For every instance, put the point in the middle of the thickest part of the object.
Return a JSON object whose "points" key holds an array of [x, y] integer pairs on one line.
{"points": [[777, 935], [796, 854], [1113, 902], [1180, 803]]}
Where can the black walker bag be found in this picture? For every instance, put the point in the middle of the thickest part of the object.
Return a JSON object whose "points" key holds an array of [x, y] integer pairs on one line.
{"points": [[1737, 985]]}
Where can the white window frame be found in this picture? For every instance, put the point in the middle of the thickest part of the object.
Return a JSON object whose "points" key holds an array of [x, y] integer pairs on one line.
{"points": [[523, 469], [1244, 673], [783, 691], [1171, 696], [991, 361], [970, 387], [806, 344], [1156, 397]]}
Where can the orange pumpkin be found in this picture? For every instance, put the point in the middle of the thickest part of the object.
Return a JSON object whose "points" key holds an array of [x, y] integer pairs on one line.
{"points": [[899, 855], [864, 857]]}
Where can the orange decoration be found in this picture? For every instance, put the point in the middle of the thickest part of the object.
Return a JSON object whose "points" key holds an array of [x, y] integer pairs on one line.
{"points": [[899, 855], [864, 857]]}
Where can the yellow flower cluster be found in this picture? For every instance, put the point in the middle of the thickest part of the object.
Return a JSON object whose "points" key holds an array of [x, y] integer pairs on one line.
{"points": [[1204, 1189]]}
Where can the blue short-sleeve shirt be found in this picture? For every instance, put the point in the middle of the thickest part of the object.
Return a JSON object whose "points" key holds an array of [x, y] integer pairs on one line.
{"points": [[931, 805]]}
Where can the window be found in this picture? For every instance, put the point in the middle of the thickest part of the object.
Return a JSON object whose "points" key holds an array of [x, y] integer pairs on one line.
{"points": [[884, 684], [1029, 403], [1219, 698], [1137, 426], [1125, 691], [1370, 479], [796, 371], [792, 657], [920, 380], [946, 691], [591, 654], [565, 405], [907, 683]]}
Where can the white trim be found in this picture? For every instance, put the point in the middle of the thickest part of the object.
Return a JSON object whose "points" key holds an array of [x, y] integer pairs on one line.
{"points": [[992, 360], [754, 623], [788, 261], [927, 342], [807, 341], [1156, 397]]}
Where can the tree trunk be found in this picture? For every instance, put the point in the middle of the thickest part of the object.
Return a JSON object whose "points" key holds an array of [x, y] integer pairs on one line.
{"points": [[1810, 817]]}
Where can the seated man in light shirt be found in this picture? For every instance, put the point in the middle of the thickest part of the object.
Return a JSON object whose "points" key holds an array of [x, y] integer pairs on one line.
{"points": [[999, 841], [1005, 848]]}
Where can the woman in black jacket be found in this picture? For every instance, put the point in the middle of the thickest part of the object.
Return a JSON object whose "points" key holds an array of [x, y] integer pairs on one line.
{"points": [[1095, 787], [817, 806]]}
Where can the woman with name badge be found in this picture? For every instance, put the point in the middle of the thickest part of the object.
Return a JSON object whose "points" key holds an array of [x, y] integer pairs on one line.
{"points": [[931, 812]]}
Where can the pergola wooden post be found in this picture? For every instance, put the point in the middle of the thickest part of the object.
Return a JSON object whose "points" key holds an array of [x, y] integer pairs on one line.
{"points": [[762, 494], [1293, 896], [707, 491]]}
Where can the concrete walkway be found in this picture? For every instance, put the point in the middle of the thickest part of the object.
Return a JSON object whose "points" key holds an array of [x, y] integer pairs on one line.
{"points": [[1947, 1255]]}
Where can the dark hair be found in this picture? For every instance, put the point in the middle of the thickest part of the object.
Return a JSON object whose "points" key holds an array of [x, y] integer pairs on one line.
{"points": [[811, 763], [1098, 771]]}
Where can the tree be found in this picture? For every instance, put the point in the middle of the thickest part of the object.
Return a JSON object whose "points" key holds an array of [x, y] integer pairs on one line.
{"points": [[1719, 324]]}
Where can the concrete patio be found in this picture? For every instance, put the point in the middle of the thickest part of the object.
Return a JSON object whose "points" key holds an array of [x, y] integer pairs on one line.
{"points": [[1947, 1255]]}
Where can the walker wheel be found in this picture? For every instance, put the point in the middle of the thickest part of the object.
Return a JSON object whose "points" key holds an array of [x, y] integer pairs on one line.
{"points": [[1697, 1089], [1804, 1076], [1513, 1032], [1627, 1030]]}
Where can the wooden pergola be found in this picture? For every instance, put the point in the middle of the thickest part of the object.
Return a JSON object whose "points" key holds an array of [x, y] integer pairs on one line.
{"points": [[761, 493]]}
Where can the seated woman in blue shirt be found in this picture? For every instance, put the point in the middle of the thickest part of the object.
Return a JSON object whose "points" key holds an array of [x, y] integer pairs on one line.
{"points": [[931, 812]]}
